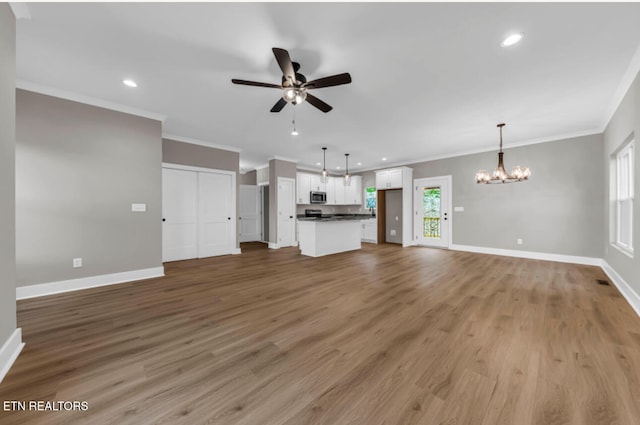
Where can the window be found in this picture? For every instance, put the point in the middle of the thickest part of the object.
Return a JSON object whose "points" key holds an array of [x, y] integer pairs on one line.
{"points": [[370, 197], [624, 198]]}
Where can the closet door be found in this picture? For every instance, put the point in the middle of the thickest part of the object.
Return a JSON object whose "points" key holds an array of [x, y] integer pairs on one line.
{"points": [[180, 214], [216, 214]]}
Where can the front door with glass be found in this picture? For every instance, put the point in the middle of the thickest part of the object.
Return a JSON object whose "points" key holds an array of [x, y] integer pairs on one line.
{"points": [[432, 211]]}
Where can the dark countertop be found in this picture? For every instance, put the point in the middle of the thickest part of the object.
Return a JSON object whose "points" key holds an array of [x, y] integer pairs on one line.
{"points": [[336, 217]]}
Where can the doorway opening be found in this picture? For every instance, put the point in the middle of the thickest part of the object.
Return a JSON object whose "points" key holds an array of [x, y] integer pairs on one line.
{"points": [[390, 221]]}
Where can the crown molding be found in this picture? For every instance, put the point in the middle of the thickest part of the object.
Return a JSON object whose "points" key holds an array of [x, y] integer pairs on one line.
{"points": [[283, 158], [200, 142], [88, 100], [20, 10]]}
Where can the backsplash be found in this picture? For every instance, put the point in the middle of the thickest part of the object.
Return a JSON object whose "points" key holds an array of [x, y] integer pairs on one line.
{"points": [[334, 209]]}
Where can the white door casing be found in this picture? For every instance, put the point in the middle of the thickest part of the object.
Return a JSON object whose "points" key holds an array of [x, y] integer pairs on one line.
{"points": [[286, 212], [443, 240], [250, 213]]}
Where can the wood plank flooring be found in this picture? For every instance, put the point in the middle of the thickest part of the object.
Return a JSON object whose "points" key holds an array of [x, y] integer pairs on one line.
{"points": [[381, 336]]}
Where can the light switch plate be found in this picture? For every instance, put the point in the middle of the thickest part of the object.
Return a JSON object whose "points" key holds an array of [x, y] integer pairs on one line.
{"points": [[77, 263], [138, 207]]}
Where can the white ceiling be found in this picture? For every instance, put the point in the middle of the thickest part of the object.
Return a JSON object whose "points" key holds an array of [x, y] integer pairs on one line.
{"points": [[429, 79]]}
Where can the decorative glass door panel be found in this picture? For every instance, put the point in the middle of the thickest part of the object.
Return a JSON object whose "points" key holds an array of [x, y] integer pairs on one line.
{"points": [[431, 212], [432, 219]]}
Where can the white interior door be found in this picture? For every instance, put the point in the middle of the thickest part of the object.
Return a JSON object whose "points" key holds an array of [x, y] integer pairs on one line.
{"points": [[432, 211], [216, 214], [286, 212], [179, 214], [250, 214]]}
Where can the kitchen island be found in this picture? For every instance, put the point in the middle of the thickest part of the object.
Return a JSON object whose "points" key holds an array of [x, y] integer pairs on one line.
{"points": [[329, 234]]}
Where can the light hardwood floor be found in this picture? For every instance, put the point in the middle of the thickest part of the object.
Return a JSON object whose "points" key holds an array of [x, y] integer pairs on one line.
{"points": [[384, 335]]}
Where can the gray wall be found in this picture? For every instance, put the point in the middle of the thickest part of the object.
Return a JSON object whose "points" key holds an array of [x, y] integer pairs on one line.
{"points": [[393, 202], [200, 156], [558, 211], [277, 168], [78, 170], [248, 178], [175, 152], [625, 121], [7, 173]]}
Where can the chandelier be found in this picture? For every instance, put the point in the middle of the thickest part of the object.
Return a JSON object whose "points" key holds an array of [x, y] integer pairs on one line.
{"points": [[500, 175]]}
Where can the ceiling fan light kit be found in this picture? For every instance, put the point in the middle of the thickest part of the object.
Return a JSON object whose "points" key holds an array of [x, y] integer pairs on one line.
{"points": [[500, 175], [295, 86]]}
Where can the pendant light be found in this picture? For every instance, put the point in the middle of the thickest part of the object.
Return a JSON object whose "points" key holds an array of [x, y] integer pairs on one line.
{"points": [[500, 175], [324, 176], [347, 176]]}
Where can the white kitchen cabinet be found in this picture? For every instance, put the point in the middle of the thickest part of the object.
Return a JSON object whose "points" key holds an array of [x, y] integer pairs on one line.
{"points": [[316, 184], [331, 190], [337, 192], [370, 230], [339, 189], [389, 179], [303, 188], [353, 192]]}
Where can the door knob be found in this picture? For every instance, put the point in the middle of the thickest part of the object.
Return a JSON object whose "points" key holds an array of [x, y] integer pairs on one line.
{"points": [[164, 219], [228, 218]]}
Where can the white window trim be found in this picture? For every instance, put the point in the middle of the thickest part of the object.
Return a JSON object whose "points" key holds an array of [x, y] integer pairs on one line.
{"points": [[627, 149]]}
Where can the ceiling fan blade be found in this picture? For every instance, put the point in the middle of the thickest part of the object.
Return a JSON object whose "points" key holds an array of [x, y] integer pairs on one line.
{"points": [[284, 61], [255, 83], [279, 105], [334, 80], [324, 107]]}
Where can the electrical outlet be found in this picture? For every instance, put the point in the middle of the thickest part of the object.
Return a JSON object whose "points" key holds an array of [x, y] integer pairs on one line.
{"points": [[77, 263], [392, 232], [138, 207], [519, 241]]}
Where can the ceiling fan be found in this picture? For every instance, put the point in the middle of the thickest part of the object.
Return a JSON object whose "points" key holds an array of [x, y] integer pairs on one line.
{"points": [[295, 86]]}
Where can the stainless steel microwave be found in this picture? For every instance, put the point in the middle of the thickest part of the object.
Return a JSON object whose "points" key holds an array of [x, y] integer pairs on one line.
{"points": [[318, 197]]}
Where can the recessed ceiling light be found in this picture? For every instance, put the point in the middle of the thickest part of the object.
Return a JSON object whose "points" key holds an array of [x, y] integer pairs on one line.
{"points": [[359, 163], [129, 83], [384, 159], [338, 167], [318, 163], [511, 40]]}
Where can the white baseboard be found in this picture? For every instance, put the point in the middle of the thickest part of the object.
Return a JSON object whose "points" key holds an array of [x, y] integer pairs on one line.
{"points": [[590, 261], [39, 290], [625, 289], [274, 245], [10, 351], [236, 251]]}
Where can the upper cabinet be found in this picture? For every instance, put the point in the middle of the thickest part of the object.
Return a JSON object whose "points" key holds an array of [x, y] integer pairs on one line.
{"points": [[337, 192], [390, 178], [316, 183], [353, 192], [303, 188]]}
